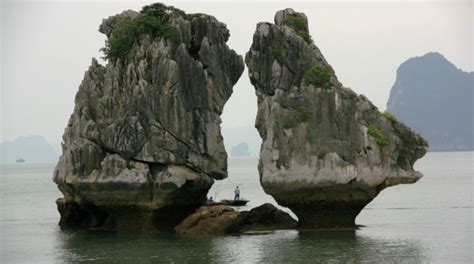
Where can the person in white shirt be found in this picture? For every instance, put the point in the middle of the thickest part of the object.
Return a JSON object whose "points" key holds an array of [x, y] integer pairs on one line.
{"points": [[237, 193]]}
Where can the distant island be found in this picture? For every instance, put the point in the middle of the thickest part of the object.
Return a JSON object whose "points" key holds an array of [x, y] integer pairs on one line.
{"points": [[236, 135], [240, 150], [434, 97], [27, 149]]}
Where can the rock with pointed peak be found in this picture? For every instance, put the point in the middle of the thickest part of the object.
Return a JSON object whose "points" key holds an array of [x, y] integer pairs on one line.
{"points": [[326, 151]]}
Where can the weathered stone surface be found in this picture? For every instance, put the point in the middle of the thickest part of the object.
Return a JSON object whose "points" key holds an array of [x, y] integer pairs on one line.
{"points": [[208, 220], [266, 217], [222, 219], [143, 145], [326, 152]]}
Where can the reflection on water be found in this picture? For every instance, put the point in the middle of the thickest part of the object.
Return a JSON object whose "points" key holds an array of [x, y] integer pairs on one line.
{"points": [[277, 247]]}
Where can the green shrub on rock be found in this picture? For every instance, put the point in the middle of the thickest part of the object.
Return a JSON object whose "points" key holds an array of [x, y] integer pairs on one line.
{"points": [[294, 22], [148, 76], [311, 135], [277, 52], [152, 21], [298, 24], [121, 40], [162, 12], [318, 76], [300, 115], [153, 26], [388, 116], [305, 35], [376, 133]]}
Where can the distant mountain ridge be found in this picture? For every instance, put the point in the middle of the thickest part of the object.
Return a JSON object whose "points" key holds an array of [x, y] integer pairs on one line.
{"points": [[435, 98], [33, 149]]}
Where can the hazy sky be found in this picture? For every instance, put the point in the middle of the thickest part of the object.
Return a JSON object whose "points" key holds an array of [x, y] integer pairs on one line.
{"points": [[47, 46]]}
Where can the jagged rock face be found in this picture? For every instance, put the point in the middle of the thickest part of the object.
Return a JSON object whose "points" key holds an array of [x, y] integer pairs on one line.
{"points": [[144, 138], [326, 152]]}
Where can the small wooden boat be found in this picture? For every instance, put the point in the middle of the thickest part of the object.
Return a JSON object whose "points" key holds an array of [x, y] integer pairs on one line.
{"points": [[235, 202]]}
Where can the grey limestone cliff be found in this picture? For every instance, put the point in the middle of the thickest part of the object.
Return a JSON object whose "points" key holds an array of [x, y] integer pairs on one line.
{"points": [[326, 151], [143, 144]]}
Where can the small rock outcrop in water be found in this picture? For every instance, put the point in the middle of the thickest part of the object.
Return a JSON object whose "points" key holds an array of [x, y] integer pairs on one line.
{"points": [[143, 145], [435, 98], [208, 220], [221, 219], [263, 218], [326, 152]]}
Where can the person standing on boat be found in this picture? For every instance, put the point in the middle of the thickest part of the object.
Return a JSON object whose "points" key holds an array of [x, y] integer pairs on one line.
{"points": [[237, 193]]}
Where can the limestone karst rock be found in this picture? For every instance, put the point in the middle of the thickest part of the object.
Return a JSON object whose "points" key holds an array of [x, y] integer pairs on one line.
{"points": [[143, 145], [326, 152]]}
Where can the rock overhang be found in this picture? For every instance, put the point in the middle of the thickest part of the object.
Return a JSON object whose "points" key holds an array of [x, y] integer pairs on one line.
{"points": [[321, 142]]}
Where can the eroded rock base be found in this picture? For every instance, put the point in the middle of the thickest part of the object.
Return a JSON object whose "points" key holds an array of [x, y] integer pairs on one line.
{"points": [[121, 218], [327, 208], [328, 214]]}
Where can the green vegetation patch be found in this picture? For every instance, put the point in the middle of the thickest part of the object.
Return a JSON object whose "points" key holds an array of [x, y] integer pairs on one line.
{"points": [[277, 52], [305, 35], [152, 21], [148, 76], [294, 22], [319, 77], [376, 133], [389, 116], [163, 12], [298, 24], [121, 40], [301, 115], [311, 135]]}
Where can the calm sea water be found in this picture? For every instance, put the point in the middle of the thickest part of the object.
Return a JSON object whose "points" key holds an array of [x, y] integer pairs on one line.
{"points": [[428, 222]]}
